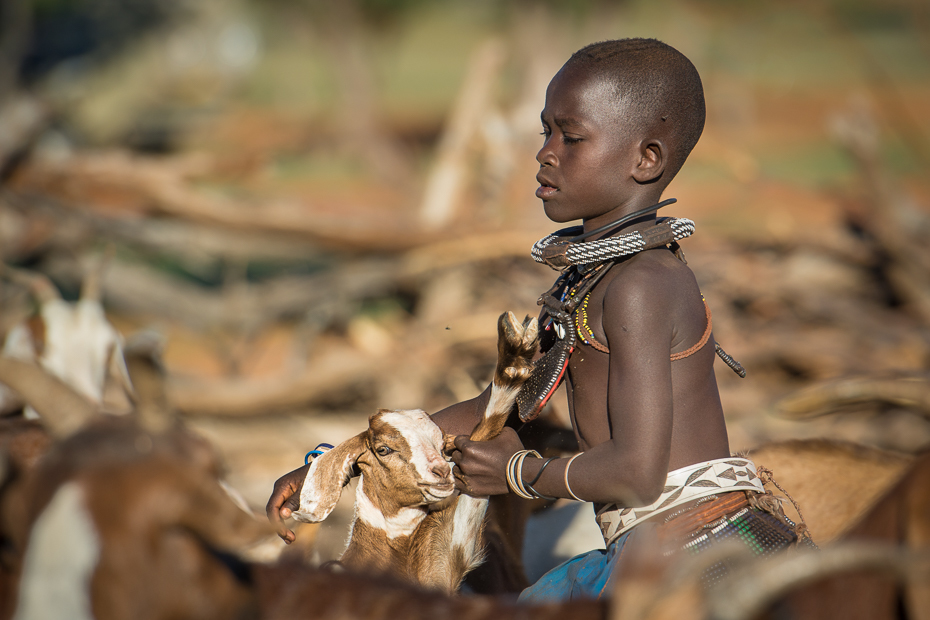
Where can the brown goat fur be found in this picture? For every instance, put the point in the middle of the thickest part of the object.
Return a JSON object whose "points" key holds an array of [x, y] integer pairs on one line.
{"points": [[835, 483], [290, 591], [22, 443], [162, 523], [900, 517]]}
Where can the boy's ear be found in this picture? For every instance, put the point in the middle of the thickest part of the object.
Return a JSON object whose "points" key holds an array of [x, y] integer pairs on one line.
{"points": [[651, 161]]}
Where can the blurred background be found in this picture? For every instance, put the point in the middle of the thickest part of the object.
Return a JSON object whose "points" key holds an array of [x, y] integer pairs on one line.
{"points": [[322, 207]]}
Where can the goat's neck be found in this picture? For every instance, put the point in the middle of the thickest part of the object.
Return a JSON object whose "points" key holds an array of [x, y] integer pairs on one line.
{"points": [[381, 539], [379, 514]]}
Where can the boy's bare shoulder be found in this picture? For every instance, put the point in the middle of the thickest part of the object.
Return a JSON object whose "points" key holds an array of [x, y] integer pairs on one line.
{"points": [[653, 279]]}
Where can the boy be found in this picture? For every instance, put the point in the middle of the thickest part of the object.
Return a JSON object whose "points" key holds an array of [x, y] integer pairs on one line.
{"points": [[620, 119]]}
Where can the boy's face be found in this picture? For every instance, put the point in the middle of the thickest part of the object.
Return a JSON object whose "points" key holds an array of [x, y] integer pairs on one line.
{"points": [[588, 156]]}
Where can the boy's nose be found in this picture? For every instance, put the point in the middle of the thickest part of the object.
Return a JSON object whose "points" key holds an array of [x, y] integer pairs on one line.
{"points": [[545, 156]]}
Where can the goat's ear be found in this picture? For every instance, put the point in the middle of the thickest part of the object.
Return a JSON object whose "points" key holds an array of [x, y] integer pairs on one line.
{"points": [[328, 475], [214, 516]]}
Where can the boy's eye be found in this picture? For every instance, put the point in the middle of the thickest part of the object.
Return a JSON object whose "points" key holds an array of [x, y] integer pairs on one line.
{"points": [[568, 140], [383, 450]]}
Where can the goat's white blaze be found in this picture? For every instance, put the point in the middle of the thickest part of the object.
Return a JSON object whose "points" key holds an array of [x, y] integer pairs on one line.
{"points": [[402, 523], [19, 344], [501, 396], [424, 438], [63, 551]]}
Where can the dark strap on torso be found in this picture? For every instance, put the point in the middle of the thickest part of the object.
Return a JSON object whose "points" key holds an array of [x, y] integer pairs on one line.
{"points": [[587, 337]]}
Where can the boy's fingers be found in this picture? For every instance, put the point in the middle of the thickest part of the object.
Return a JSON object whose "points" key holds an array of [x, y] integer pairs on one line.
{"points": [[290, 506], [288, 536], [461, 441], [276, 502], [285, 500], [277, 517], [281, 529]]}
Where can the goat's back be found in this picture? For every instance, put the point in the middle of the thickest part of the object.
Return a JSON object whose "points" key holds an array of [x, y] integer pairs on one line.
{"points": [[835, 483]]}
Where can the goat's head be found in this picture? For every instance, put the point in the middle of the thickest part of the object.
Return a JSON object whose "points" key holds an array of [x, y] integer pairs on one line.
{"points": [[401, 452], [73, 341]]}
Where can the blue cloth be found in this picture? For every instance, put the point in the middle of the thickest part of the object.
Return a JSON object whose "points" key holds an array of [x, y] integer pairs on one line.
{"points": [[584, 576]]}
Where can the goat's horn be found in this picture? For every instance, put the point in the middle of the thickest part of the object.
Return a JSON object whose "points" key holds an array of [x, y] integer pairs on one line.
{"points": [[750, 591], [93, 279], [143, 361], [37, 283], [62, 409]]}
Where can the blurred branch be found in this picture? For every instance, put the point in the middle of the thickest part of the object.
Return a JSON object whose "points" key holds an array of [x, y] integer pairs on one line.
{"points": [[140, 290], [22, 119], [344, 29], [829, 396], [341, 370], [897, 232], [124, 185], [449, 173], [15, 33]]}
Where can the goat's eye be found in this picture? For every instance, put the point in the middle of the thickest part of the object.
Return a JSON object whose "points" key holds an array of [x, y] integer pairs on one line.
{"points": [[383, 450]]}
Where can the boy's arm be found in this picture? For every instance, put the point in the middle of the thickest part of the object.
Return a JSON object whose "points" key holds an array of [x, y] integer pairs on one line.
{"points": [[461, 418], [629, 464]]}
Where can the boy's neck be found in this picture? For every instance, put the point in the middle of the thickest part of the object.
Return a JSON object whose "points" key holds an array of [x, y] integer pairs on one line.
{"points": [[637, 223]]}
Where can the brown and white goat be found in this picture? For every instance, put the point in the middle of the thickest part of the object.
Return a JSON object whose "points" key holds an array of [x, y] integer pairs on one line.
{"points": [[127, 522], [407, 522]]}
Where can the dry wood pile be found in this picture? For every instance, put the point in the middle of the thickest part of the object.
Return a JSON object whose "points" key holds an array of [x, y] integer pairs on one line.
{"points": [[382, 308], [283, 300]]}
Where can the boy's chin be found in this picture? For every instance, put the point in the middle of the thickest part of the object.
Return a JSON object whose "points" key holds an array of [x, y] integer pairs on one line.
{"points": [[559, 215]]}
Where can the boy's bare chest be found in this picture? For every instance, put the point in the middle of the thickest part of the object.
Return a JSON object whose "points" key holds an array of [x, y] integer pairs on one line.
{"points": [[586, 388]]}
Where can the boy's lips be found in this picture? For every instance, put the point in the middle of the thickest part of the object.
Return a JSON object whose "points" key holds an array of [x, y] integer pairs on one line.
{"points": [[546, 188]]}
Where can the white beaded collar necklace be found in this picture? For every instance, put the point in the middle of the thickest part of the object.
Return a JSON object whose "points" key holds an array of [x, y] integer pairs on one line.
{"points": [[558, 252]]}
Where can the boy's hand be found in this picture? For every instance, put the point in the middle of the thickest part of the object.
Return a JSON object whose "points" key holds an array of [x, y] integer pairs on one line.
{"points": [[481, 466], [284, 500]]}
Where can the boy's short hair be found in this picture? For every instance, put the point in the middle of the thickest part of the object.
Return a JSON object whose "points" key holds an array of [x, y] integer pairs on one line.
{"points": [[656, 83]]}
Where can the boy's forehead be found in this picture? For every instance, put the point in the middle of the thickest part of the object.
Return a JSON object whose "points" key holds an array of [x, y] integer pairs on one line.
{"points": [[583, 91]]}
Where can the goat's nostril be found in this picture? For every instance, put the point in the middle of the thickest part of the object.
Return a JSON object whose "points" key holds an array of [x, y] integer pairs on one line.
{"points": [[442, 469]]}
